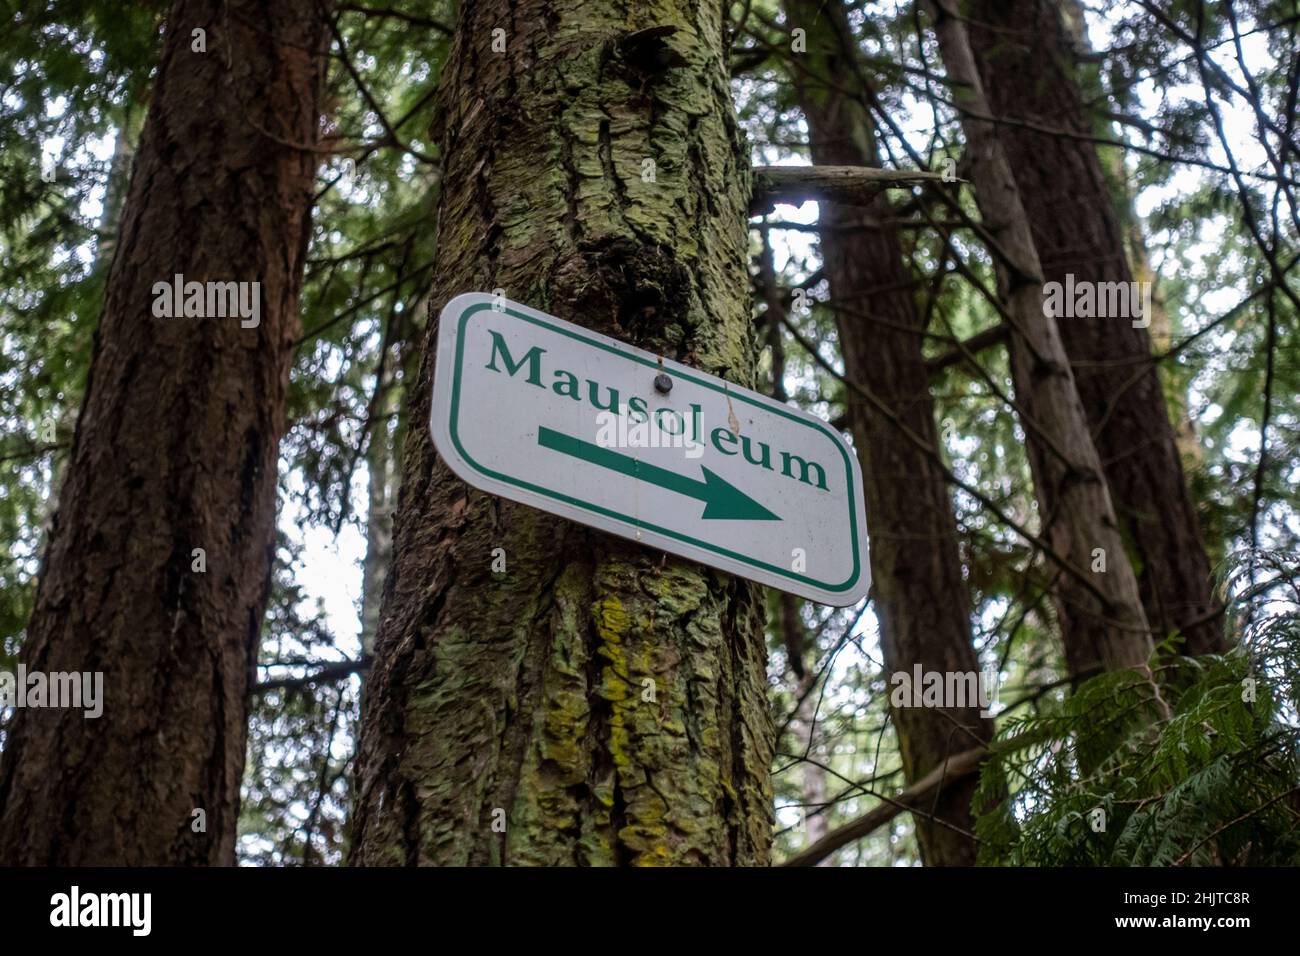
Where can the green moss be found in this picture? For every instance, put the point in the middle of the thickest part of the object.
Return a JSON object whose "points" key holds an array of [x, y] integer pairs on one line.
{"points": [[527, 693]]}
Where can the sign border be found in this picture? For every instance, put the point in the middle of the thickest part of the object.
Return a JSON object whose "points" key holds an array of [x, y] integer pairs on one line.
{"points": [[464, 306]]}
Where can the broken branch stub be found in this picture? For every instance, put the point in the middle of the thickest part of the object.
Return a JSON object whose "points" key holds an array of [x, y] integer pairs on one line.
{"points": [[847, 185]]}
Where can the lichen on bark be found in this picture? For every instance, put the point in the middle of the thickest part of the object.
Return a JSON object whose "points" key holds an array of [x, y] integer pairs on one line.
{"points": [[593, 170]]}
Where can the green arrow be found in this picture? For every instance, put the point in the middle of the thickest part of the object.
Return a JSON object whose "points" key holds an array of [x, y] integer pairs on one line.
{"points": [[721, 498]]}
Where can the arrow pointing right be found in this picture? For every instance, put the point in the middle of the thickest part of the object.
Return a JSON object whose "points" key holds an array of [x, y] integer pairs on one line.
{"points": [[722, 500]]}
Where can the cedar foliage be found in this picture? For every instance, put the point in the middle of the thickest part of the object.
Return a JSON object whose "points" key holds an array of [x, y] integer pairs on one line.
{"points": [[1211, 782]]}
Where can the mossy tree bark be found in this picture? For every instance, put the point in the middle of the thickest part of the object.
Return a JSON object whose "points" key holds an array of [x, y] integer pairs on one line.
{"points": [[1024, 60], [1103, 623], [919, 595], [596, 702], [176, 448]]}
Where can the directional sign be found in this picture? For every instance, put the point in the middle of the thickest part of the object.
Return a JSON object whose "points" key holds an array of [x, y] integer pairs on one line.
{"points": [[547, 413]]}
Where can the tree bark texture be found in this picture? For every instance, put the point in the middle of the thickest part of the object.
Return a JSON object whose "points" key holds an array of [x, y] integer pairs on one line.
{"points": [[176, 449], [919, 595], [596, 703], [1102, 619], [1023, 56]]}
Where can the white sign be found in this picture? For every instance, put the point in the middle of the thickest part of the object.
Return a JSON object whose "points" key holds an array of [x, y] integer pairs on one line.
{"points": [[547, 413]]}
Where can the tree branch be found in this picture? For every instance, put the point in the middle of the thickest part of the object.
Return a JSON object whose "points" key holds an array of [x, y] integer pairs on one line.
{"points": [[956, 767], [410, 18], [330, 671], [976, 343], [846, 185]]}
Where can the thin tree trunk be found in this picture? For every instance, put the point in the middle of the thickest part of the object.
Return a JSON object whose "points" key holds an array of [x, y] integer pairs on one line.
{"points": [[1103, 622], [379, 514], [789, 619], [119, 179], [1025, 63], [384, 458], [919, 595], [595, 702], [1191, 453], [176, 449], [813, 782], [119, 182]]}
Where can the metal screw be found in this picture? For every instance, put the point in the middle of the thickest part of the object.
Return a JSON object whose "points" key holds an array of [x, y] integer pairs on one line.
{"points": [[663, 383]]}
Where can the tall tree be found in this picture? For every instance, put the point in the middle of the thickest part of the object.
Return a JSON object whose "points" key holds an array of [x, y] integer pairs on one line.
{"points": [[595, 702], [175, 451], [919, 595], [379, 518], [787, 619], [1076, 229], [119, 178], [1104, 626]]}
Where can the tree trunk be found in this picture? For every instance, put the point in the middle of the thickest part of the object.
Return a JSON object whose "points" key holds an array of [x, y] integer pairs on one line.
{"points": [[176, 449], [1191, 453], [788, 619], [1024, 60], [595, 702], [920, 597], [119, 181], [1103, 622], [384, 457], [1190, 450], [119, 178], [379, 514], [812, 772]]}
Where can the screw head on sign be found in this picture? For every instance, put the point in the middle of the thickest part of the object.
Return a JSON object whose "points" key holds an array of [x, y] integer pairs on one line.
{"points": [[663, 383]]}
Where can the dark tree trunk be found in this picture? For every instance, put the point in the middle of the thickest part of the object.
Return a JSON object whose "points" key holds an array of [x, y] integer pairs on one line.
{"points": [[919, 595], [176, 449], [1025, 62], [508, 718], [1103, 623]]}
